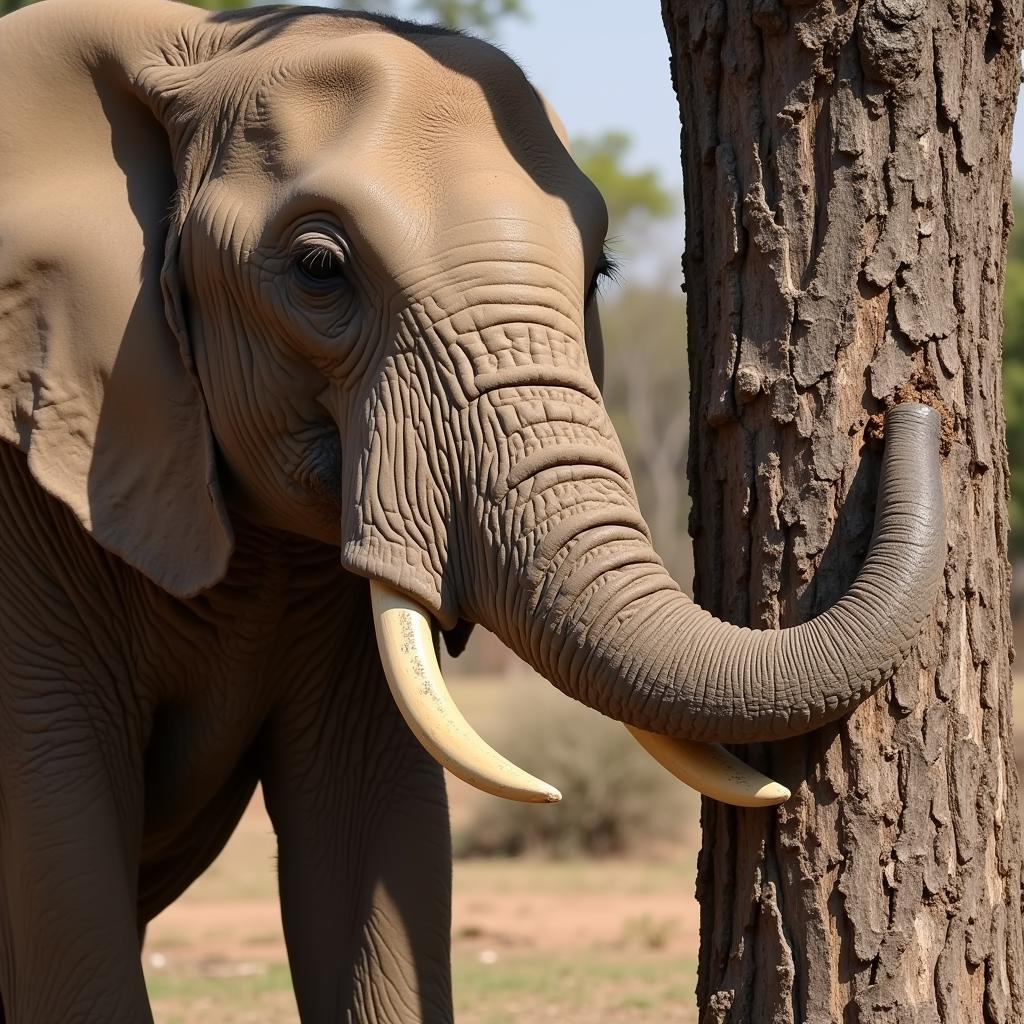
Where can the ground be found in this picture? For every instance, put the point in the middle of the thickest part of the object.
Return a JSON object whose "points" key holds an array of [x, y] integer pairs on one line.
{"points": [[580, 942], [576, 941]]}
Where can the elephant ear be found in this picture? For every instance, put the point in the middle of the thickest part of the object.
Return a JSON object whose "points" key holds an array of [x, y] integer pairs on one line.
{"points": [[95, 385]]}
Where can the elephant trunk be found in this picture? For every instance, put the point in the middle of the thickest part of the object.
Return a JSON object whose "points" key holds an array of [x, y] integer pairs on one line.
{"points": [[578, 591], [606, 623]]}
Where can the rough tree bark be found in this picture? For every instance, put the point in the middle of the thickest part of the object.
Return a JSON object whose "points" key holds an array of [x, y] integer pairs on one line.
{"points": [[848, 203]]}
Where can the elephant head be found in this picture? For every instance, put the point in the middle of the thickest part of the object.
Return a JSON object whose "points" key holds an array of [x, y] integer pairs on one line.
{"points": [[336, 274]]}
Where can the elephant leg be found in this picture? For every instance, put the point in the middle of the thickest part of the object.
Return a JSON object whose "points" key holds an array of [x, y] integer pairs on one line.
{"points": [[364, 864], [68, 859]]}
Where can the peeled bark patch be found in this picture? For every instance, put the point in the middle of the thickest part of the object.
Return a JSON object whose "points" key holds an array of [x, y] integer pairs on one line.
{"points": [[847, 199]]}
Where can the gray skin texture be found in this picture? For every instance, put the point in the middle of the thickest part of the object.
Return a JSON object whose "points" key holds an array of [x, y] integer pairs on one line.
{"points": [[275, 286]]}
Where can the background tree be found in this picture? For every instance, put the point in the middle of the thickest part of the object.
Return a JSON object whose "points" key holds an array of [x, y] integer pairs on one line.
{"points": [[645, 392], [1013, 377], [848, 201], [645, 386]]}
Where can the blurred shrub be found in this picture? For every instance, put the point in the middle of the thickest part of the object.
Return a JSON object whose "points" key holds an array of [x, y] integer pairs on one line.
{"points": [[615, 799], [648, 932]]}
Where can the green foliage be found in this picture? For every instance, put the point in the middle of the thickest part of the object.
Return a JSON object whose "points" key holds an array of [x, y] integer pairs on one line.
{"points": [[634, 198], [482, 15], [1013, 373], [616, 799]]}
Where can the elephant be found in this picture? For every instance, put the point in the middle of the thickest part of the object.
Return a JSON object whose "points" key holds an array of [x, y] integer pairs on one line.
{"points": [[299, 372]]}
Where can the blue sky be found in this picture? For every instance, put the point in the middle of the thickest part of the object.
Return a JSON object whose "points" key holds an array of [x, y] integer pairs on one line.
{"points": [[609, 71], [612, 71], [606, 70]]}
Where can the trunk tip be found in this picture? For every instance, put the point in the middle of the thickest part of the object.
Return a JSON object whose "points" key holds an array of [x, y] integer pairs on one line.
{"points": [[909, 412]]}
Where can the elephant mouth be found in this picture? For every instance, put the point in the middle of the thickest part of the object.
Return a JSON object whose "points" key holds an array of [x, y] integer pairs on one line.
{"points": [[318, 471]]}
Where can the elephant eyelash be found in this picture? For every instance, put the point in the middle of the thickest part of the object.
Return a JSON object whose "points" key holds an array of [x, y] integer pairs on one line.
{"points": [[607, 269], [321, 264]]}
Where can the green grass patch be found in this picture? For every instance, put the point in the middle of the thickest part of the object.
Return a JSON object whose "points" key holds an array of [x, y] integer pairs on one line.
{"points": [[230, 991], [573, 988], [570, 988], [597, 877]]}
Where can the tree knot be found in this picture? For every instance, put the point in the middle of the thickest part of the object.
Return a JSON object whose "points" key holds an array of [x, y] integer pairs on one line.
{"points": [[891, 35]]}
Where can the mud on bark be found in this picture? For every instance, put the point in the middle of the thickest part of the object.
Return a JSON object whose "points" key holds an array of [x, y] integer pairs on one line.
{"points": [[848, 202]]}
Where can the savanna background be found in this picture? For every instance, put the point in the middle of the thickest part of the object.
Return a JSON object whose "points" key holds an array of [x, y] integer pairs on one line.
{"points": [[581, 912]]}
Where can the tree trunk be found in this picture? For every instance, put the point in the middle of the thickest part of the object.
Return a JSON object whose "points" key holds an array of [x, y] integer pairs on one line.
{"points": [[848, 203]]}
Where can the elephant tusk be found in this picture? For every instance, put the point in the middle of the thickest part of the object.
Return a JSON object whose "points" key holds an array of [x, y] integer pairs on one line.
{"points": [[406, 644], [712, 770]]}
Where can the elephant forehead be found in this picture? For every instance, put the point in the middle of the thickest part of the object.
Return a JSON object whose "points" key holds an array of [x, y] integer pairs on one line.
{"points": [[422, 89], [417, 136]]}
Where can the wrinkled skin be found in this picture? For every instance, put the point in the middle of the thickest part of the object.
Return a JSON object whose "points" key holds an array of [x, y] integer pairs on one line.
{"points": [[363, 327]]}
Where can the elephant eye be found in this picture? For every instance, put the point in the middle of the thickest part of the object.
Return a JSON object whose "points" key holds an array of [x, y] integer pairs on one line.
{"points": [[320, 265]]}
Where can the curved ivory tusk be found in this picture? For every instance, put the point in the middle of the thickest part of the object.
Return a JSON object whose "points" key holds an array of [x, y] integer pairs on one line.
{"points": [[712, 770], [406, 645]]}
